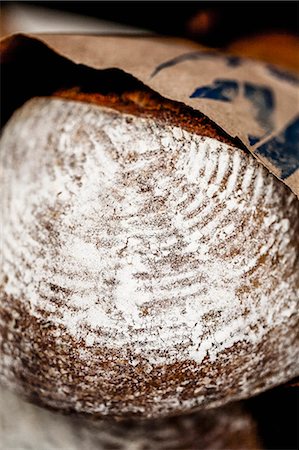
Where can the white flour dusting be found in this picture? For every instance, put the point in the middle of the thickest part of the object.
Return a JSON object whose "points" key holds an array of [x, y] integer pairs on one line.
{"points": [[127, 232]]}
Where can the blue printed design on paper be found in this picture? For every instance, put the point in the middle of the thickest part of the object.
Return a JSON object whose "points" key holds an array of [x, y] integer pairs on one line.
{"points": [[283, 75], [261, 98], [283, 150], [232, 61], [253, 139], [224, 90]]}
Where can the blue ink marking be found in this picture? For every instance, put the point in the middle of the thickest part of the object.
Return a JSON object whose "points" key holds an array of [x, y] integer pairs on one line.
{"points": [[179, 59], [283, 150], [253, 139], [262, 100], [223, 90], [232, 61], [283, 74]]}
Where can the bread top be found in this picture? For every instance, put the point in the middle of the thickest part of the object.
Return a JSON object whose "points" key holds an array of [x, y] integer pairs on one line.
{"points": [[147, 103], [159, 258]]}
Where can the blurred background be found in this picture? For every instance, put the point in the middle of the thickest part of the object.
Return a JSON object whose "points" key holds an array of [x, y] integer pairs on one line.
{"points": [[262, 30]]}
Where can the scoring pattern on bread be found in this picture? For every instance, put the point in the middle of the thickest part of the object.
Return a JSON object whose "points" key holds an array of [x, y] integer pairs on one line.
{"points": [[147, 270]]}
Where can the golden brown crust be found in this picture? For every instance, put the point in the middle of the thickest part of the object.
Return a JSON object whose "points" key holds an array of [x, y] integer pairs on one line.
{"points": [[147, 103]]}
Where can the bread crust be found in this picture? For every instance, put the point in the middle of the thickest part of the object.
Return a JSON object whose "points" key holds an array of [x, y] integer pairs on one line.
{"points": [[186, 247], [147, 103]]}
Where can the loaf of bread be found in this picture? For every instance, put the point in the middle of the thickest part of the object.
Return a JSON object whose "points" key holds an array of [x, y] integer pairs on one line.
{"points": [[150, 264]]}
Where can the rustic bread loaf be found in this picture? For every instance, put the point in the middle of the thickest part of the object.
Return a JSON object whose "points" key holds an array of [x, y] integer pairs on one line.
{"points": [[150, 266]]}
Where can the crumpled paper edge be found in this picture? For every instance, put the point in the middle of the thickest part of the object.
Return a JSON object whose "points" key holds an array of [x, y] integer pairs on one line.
{"points": [[171, 70]]}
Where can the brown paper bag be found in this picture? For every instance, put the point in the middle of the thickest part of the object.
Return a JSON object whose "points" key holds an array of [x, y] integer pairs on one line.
{"points": [[253, 101]]}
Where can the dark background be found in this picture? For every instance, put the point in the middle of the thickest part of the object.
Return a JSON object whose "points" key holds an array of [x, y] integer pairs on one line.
{"points": [[221, 22], [215, 24], [276, 413]]}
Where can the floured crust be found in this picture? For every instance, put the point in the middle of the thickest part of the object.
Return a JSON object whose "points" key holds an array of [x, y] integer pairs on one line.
{"points": [[148, 271]]}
